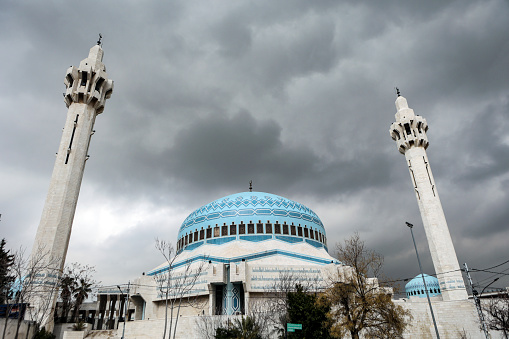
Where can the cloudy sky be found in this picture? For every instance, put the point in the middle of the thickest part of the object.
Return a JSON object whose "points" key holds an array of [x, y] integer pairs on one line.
{"points": [[297, 96]]}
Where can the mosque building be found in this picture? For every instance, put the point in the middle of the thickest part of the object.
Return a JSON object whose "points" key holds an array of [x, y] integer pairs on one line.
{"points": [[233, 251]]}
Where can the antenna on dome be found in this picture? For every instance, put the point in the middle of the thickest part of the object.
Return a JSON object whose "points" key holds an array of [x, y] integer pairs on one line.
{"points": [[398, 93], [99, 41], [250, 185]]}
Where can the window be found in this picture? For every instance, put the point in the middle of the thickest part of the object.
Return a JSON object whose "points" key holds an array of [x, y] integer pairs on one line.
{"points": [[216, 231], [285, 229], [195, 235], [268, 228], [407, 129], [294, 230], [259, 227], [209, 233], [202, 234], [397, 134], [316, 235], [299, 229], [250, 228], [70, 79], [99, 84], [242, 228], [233, 229], [84, 76], [224, 230], [277, 228], [306, 232]]}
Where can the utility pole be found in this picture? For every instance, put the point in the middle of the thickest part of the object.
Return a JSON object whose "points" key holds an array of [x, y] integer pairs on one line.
{"points": [[477, 304]]}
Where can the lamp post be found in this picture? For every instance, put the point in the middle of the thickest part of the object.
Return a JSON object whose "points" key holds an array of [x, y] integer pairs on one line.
{"points": [[125, 306], [491, 283], [423, 280]]}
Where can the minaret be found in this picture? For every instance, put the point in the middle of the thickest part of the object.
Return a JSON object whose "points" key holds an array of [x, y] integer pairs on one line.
{"points": [[88, 87], [409, 131]]}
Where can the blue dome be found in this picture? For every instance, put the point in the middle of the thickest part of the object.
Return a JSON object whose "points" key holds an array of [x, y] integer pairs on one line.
{"points": [[415, 287], [264, 213]]}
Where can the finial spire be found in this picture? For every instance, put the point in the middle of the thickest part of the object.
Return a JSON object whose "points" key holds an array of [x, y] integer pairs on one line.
{"points": [[398, 92], [100, 38], [250, 185]]}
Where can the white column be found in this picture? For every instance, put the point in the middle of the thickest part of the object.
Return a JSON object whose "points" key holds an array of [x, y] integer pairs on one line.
{"points": [[409, 131], [88, 87]]}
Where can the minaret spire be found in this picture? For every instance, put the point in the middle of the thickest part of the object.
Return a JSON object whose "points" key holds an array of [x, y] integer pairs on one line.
{"points": [[87, 88], [409, 132]]}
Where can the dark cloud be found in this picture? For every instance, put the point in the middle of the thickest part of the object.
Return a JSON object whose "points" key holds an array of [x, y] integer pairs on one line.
{"points": [[297, 96]]}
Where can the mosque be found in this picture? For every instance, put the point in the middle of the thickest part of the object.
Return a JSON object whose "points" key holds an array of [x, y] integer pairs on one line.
{"points": [[234, 250]]}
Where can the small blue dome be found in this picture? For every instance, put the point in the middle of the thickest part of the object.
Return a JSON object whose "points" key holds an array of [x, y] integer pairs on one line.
{"points": [[415, 287]]}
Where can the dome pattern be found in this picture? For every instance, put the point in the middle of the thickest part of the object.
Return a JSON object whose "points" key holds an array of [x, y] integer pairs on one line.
{"points": [[251, 214], [415, 287]]}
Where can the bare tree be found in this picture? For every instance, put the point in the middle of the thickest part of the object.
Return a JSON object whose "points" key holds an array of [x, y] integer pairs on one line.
{"points": [[176, 285], [35, 284], [498, 314], [362, 305]]}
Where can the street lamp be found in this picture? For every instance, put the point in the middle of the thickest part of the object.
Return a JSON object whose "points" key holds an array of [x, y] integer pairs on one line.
{"points": [[487, 286], [423, 280], [125, 307]]}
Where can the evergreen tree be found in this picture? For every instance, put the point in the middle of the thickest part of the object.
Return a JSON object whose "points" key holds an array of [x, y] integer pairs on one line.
{"points": [[6, 277], [244, 328], [309, 310]]}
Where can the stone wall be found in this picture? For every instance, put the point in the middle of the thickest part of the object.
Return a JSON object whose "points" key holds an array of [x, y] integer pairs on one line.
{"points": [[453, 318], [11, 328]]}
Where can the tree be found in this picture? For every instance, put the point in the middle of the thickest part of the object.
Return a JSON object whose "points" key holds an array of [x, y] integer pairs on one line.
{"points": [[311, 311], [6, 275], [272, 310], [67, 285], [362, 305], [75, 286], [176, 285], [498, 314], [35, 283], [243, 328]]}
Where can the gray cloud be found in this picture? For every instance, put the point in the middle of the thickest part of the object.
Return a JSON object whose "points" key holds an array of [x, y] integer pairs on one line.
{"points": [[294, 95]]}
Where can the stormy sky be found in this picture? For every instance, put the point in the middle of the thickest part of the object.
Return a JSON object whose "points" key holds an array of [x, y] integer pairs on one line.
{"points": [[297, 96]]}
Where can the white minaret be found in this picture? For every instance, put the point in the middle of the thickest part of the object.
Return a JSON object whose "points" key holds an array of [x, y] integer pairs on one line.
{"points": [[88, 87], [409, 131]]}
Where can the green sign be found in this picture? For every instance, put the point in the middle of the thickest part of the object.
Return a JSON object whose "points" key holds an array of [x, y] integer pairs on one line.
{"points": [[293, 327]]}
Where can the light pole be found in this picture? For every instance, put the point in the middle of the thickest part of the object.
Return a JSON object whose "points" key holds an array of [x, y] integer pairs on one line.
{"points": [[423, 280], [491, 283], [125, 306]]}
